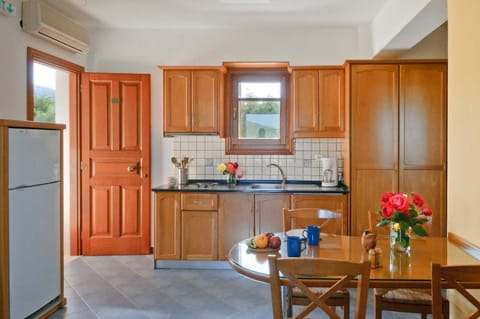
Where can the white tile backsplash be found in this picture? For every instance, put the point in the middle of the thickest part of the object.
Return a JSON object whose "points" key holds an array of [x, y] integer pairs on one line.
{"points": [[209, 151]]}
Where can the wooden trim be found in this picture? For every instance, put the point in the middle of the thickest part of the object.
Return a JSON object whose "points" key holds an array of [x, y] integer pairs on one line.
{"points": [[470, 248], [422, 61], [318, 67], [76, 71], [189, 67], [258, 65], [29, 124]]}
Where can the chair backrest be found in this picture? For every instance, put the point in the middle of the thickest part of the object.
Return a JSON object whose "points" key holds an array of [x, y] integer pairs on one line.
{"points": [[295, 271], [329, 222], [457, 277], [373, 219]]}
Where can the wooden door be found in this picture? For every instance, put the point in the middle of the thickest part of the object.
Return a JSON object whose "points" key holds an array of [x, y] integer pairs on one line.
{"points": [[167, 225], [205, 101], [235, 220], [334, 203], [177, 109], [423, 137], [115, 164], [268, 212], [199, 235], [305, 101], [374, 138], [331, 102]]}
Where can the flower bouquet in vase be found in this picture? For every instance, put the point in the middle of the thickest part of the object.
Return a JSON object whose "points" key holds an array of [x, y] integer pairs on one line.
{"points": [[232, 170], [404, 214]]}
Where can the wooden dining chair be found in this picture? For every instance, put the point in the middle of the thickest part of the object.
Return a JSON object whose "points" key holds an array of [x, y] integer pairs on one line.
{"points": [[400, 299], [329, 222], [456, 277], [296, 271], [373, 219]]}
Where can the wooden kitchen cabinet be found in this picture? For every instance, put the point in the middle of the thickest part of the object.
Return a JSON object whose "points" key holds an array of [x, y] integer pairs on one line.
{"points": [[199, 222], [235, 220], [191, 100], [318, 99], [398, 136], [334, 203], [167, 225], [268, 212]]}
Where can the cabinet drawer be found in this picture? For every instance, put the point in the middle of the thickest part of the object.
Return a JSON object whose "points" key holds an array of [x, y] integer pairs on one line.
{"points": [[199, 201]]}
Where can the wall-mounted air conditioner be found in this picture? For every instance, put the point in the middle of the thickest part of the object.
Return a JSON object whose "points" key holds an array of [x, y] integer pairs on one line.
{"points": [[41, 19]]}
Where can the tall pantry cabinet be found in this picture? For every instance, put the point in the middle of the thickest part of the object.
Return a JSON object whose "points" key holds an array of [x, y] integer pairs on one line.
{"points": [[398, 136]]}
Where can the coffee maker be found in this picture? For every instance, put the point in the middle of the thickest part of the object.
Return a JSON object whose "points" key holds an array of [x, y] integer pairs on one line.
{"points": [[329, 172]]}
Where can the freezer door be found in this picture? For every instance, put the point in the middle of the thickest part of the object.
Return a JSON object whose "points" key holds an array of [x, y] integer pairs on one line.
{"points": [[34, 157], [34, 243]]}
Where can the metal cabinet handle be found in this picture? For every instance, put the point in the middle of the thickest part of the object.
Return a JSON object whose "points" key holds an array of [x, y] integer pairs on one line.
{"points": [[132, 168]]}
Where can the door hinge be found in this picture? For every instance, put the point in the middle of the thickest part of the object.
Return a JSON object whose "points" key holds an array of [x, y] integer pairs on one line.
{"points": [[83, 166]]}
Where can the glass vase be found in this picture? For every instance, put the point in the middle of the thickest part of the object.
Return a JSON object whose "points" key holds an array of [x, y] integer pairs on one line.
{"points": [[231, 180], [399, 239]]}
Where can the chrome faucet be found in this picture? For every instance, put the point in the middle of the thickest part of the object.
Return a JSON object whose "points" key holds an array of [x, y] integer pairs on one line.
{"points": [[284, 178]]}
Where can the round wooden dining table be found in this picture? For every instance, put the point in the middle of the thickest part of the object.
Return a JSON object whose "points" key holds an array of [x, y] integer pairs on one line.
{"points": [[397, 270]]}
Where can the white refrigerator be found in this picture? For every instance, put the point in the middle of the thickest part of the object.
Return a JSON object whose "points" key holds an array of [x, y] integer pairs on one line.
{"points": [[34, 220]]}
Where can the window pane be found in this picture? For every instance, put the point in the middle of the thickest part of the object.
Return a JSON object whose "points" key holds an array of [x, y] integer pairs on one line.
{"points": [[259, 119], [44, 93], [259, 90]]}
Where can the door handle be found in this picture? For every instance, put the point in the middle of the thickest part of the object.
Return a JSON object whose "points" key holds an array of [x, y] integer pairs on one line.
{"points": [[133, 168]]}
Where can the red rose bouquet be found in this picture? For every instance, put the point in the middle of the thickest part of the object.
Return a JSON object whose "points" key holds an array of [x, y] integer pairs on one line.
{"points": [[403, 214]]}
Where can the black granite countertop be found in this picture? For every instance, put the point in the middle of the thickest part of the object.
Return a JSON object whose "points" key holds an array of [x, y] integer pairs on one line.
{"points": [[270, 186]]}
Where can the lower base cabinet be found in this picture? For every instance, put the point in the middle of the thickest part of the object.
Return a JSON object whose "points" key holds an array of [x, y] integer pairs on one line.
{"points": [[268, 212], [199, 235], [167, 226], [235, 220], [204, 226]]}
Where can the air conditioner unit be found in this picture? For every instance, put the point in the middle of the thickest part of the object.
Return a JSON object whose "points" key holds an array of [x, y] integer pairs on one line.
{"points": [[41, 19]]}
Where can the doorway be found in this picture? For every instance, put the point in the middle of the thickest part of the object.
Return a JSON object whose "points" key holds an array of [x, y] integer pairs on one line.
{"points": [[53, 96]]}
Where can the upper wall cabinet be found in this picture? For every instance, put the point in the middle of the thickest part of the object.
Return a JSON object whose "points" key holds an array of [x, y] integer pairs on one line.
{"points": [[191, 100], [318, 99]]}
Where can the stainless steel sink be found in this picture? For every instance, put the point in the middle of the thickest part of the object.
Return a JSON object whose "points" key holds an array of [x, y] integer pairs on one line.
{"points": [[266, 186], [274, 186]]}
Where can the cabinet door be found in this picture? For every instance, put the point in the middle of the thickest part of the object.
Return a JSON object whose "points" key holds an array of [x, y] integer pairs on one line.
{"points": [[199, 235], [374, 138], [235, 220], [167, 226], [177, 101], [334, 203], [205, 101], [268, 212], [305, 101], [423, 137], [331, 102]]}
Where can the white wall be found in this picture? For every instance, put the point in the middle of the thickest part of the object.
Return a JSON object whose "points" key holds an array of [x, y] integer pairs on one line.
{"points": [[13, 63]]}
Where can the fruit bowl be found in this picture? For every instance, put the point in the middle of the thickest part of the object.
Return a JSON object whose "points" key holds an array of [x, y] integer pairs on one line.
{"points": [[268, 242]]}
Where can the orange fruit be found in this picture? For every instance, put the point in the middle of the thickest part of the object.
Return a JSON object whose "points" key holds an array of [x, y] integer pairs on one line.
{"points": [[261, 241]]}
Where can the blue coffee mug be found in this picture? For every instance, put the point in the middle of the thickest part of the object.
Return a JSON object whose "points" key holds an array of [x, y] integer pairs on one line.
{"points": [[295, 246], [313, 234]]}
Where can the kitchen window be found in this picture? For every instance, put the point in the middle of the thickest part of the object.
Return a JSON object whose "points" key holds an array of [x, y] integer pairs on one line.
{"points": [[256, 111]]}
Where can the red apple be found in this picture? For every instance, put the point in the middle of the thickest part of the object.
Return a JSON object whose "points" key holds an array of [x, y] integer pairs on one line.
{"points": [[274, 242], [269, 235]]}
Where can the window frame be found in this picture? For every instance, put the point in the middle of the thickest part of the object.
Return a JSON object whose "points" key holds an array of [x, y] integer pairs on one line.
{"points": [[256, 73]]}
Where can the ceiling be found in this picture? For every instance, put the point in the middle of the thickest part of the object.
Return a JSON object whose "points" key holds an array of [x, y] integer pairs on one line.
{"points": [[393, 25], [153, 14]]}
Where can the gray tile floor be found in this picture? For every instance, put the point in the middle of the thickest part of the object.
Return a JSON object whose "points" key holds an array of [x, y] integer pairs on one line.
{"points": [[128, 287]]}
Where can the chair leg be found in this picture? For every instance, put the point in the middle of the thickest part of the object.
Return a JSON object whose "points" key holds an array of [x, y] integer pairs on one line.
{"points": [[377, 307], [424, 315], [346, 307], [288, 302]]}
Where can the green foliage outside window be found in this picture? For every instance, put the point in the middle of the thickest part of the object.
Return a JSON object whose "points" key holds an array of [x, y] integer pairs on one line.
{"points": [[44, 109]]}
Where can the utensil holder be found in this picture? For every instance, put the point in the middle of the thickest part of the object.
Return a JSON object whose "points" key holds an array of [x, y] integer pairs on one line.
{"points": [[183, 176]]}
